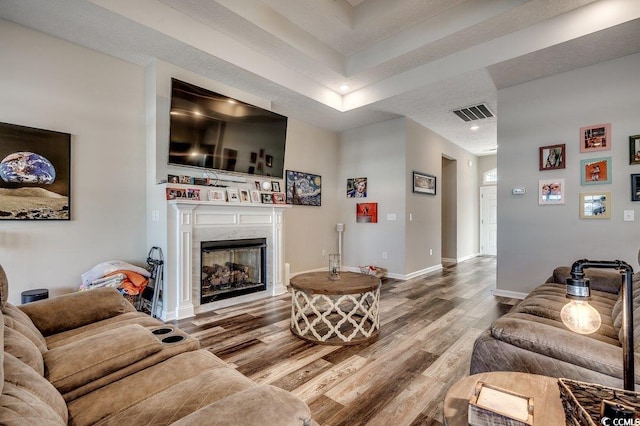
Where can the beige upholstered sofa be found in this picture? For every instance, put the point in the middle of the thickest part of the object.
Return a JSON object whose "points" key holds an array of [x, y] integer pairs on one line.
{"points": [[531, 338], [90, 358]]}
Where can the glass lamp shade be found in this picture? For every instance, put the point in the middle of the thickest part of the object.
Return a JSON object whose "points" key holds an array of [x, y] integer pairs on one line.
{"points": [[580, 317]]}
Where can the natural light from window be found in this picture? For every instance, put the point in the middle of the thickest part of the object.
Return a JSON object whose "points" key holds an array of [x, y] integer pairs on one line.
{"points": [[490, 176]]}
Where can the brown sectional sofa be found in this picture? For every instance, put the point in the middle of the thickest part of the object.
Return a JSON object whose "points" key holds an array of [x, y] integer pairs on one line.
{"points": [[90, 358], [531, 338]]}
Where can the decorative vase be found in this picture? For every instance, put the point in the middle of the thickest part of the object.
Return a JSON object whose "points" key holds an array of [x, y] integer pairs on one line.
{"points": [[334, 267]]}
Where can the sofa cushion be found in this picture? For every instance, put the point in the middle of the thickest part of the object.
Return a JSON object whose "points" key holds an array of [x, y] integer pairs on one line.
{"points": [[84, 360], [19, 407], [23, 377], [606, 280], [19, 321], [61, 339], [23, 349], [616, 312], [161, 393], [262, 405]]}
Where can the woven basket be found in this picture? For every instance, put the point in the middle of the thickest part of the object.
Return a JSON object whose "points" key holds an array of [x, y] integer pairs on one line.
{"points": [[582, 401]]}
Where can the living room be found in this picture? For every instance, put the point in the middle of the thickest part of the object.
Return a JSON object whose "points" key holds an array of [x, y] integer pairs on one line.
{"points": [[112, 109]]}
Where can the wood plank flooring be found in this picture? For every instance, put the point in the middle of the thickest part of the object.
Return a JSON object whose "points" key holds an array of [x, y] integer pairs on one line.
{"points": [[428, 326]]}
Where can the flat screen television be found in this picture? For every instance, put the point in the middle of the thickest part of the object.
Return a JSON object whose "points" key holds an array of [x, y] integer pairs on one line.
{"points": [[213, 131]]}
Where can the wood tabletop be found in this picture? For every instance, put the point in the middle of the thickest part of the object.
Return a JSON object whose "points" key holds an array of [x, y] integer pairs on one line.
{"points": [[547, 405], [349, 283]]}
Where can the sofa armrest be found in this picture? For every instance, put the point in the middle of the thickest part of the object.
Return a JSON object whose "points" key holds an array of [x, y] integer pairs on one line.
{"points": [[607, 280], [560, 344], [75, 310]]}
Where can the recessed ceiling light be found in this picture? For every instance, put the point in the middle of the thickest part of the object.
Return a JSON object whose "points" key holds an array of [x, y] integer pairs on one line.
{"points": [[344, 87], [474, 127]]}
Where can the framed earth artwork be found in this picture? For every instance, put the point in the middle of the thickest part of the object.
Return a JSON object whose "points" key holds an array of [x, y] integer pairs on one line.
{"points": [[35, 173], [303, 189]]}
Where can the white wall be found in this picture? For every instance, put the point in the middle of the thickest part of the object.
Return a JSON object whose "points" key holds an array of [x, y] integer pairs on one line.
{"points": [[533, 239], [308, 229], [378, 153], [387, 153], [51, 84], [424, 154]]}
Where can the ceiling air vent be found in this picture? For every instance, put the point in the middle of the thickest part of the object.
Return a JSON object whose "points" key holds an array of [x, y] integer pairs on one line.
{"points": [[475, 112]]}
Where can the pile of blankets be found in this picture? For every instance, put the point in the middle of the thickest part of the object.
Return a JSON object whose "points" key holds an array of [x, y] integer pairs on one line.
{"points": [[127, 278]]}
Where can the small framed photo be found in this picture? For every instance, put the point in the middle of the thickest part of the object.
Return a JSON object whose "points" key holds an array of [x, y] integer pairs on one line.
{"points": [[255, 196], [275, 186], [551, 191], [244, 196], [267, 198], [595, 138], [233, 195], [217, 195], [552, 157], [279, 198], [424, 183], [595, 205], [635, 187], [634, 149], [594, 171], [357, 187]]}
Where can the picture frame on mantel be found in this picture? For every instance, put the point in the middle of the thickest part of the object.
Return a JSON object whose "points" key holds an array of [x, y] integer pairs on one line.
{"points": [[35, 171]]}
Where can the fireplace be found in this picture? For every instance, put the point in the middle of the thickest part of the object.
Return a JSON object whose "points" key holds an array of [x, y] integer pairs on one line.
{"points": [[232, 268], [189, 223]]}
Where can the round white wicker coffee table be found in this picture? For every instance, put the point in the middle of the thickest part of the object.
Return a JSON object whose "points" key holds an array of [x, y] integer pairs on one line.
{"points": [[342, 312]]}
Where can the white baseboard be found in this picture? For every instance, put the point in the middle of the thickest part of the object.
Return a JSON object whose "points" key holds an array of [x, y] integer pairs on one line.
{"points": [[509, 294]]}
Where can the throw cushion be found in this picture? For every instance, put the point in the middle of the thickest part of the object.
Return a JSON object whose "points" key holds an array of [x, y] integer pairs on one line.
{"points": [[19, 321], [23, 349], [84, 360], [23, 377]]}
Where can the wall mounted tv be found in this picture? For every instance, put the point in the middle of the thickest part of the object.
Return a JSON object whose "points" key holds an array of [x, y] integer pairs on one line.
{"points": [[212, 131]]}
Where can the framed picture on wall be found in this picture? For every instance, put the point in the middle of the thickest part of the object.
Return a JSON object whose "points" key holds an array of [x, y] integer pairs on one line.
{"points": [[551, 191], [634, 149], [303, 189], [595, 205], [367, 213], [595, 138], [635, 187], [552, 157], [424, 183], [35, 172], [594, 171]]}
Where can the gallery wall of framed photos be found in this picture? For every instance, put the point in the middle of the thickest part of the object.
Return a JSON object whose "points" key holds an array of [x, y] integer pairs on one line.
{"points": [[594, 171]]}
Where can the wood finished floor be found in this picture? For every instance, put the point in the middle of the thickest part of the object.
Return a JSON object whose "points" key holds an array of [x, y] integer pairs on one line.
{"points": [[428, 325]]}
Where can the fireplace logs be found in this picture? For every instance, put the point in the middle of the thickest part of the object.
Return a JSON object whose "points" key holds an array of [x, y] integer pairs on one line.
{"points": [[222, 277]]}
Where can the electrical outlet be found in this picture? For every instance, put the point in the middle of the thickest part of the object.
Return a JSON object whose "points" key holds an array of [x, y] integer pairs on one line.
{"points": [[430, 252], [384, 254]]}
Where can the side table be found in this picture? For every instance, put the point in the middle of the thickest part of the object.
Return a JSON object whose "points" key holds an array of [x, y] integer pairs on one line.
{"points": [[342, 312], [547, 405]]}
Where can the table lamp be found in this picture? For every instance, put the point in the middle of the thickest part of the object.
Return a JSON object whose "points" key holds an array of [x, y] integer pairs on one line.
{"points": [[580, 317]]}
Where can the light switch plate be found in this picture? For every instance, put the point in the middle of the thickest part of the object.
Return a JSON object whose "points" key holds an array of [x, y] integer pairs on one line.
{"points": [[629, 216], [518, 191]]}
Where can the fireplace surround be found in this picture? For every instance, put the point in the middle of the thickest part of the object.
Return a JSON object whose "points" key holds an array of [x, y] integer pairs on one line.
{"points": [[189, 223]]}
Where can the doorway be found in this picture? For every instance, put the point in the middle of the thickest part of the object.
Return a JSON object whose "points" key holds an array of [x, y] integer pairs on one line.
{"points": [[449, 205], [488, 220]]}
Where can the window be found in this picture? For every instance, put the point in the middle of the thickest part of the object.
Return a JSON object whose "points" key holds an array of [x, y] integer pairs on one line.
{"points": [[490, 176]]}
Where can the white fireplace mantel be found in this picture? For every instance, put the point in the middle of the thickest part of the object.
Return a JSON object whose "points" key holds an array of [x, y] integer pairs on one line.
{"points": [[189, 223]]}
